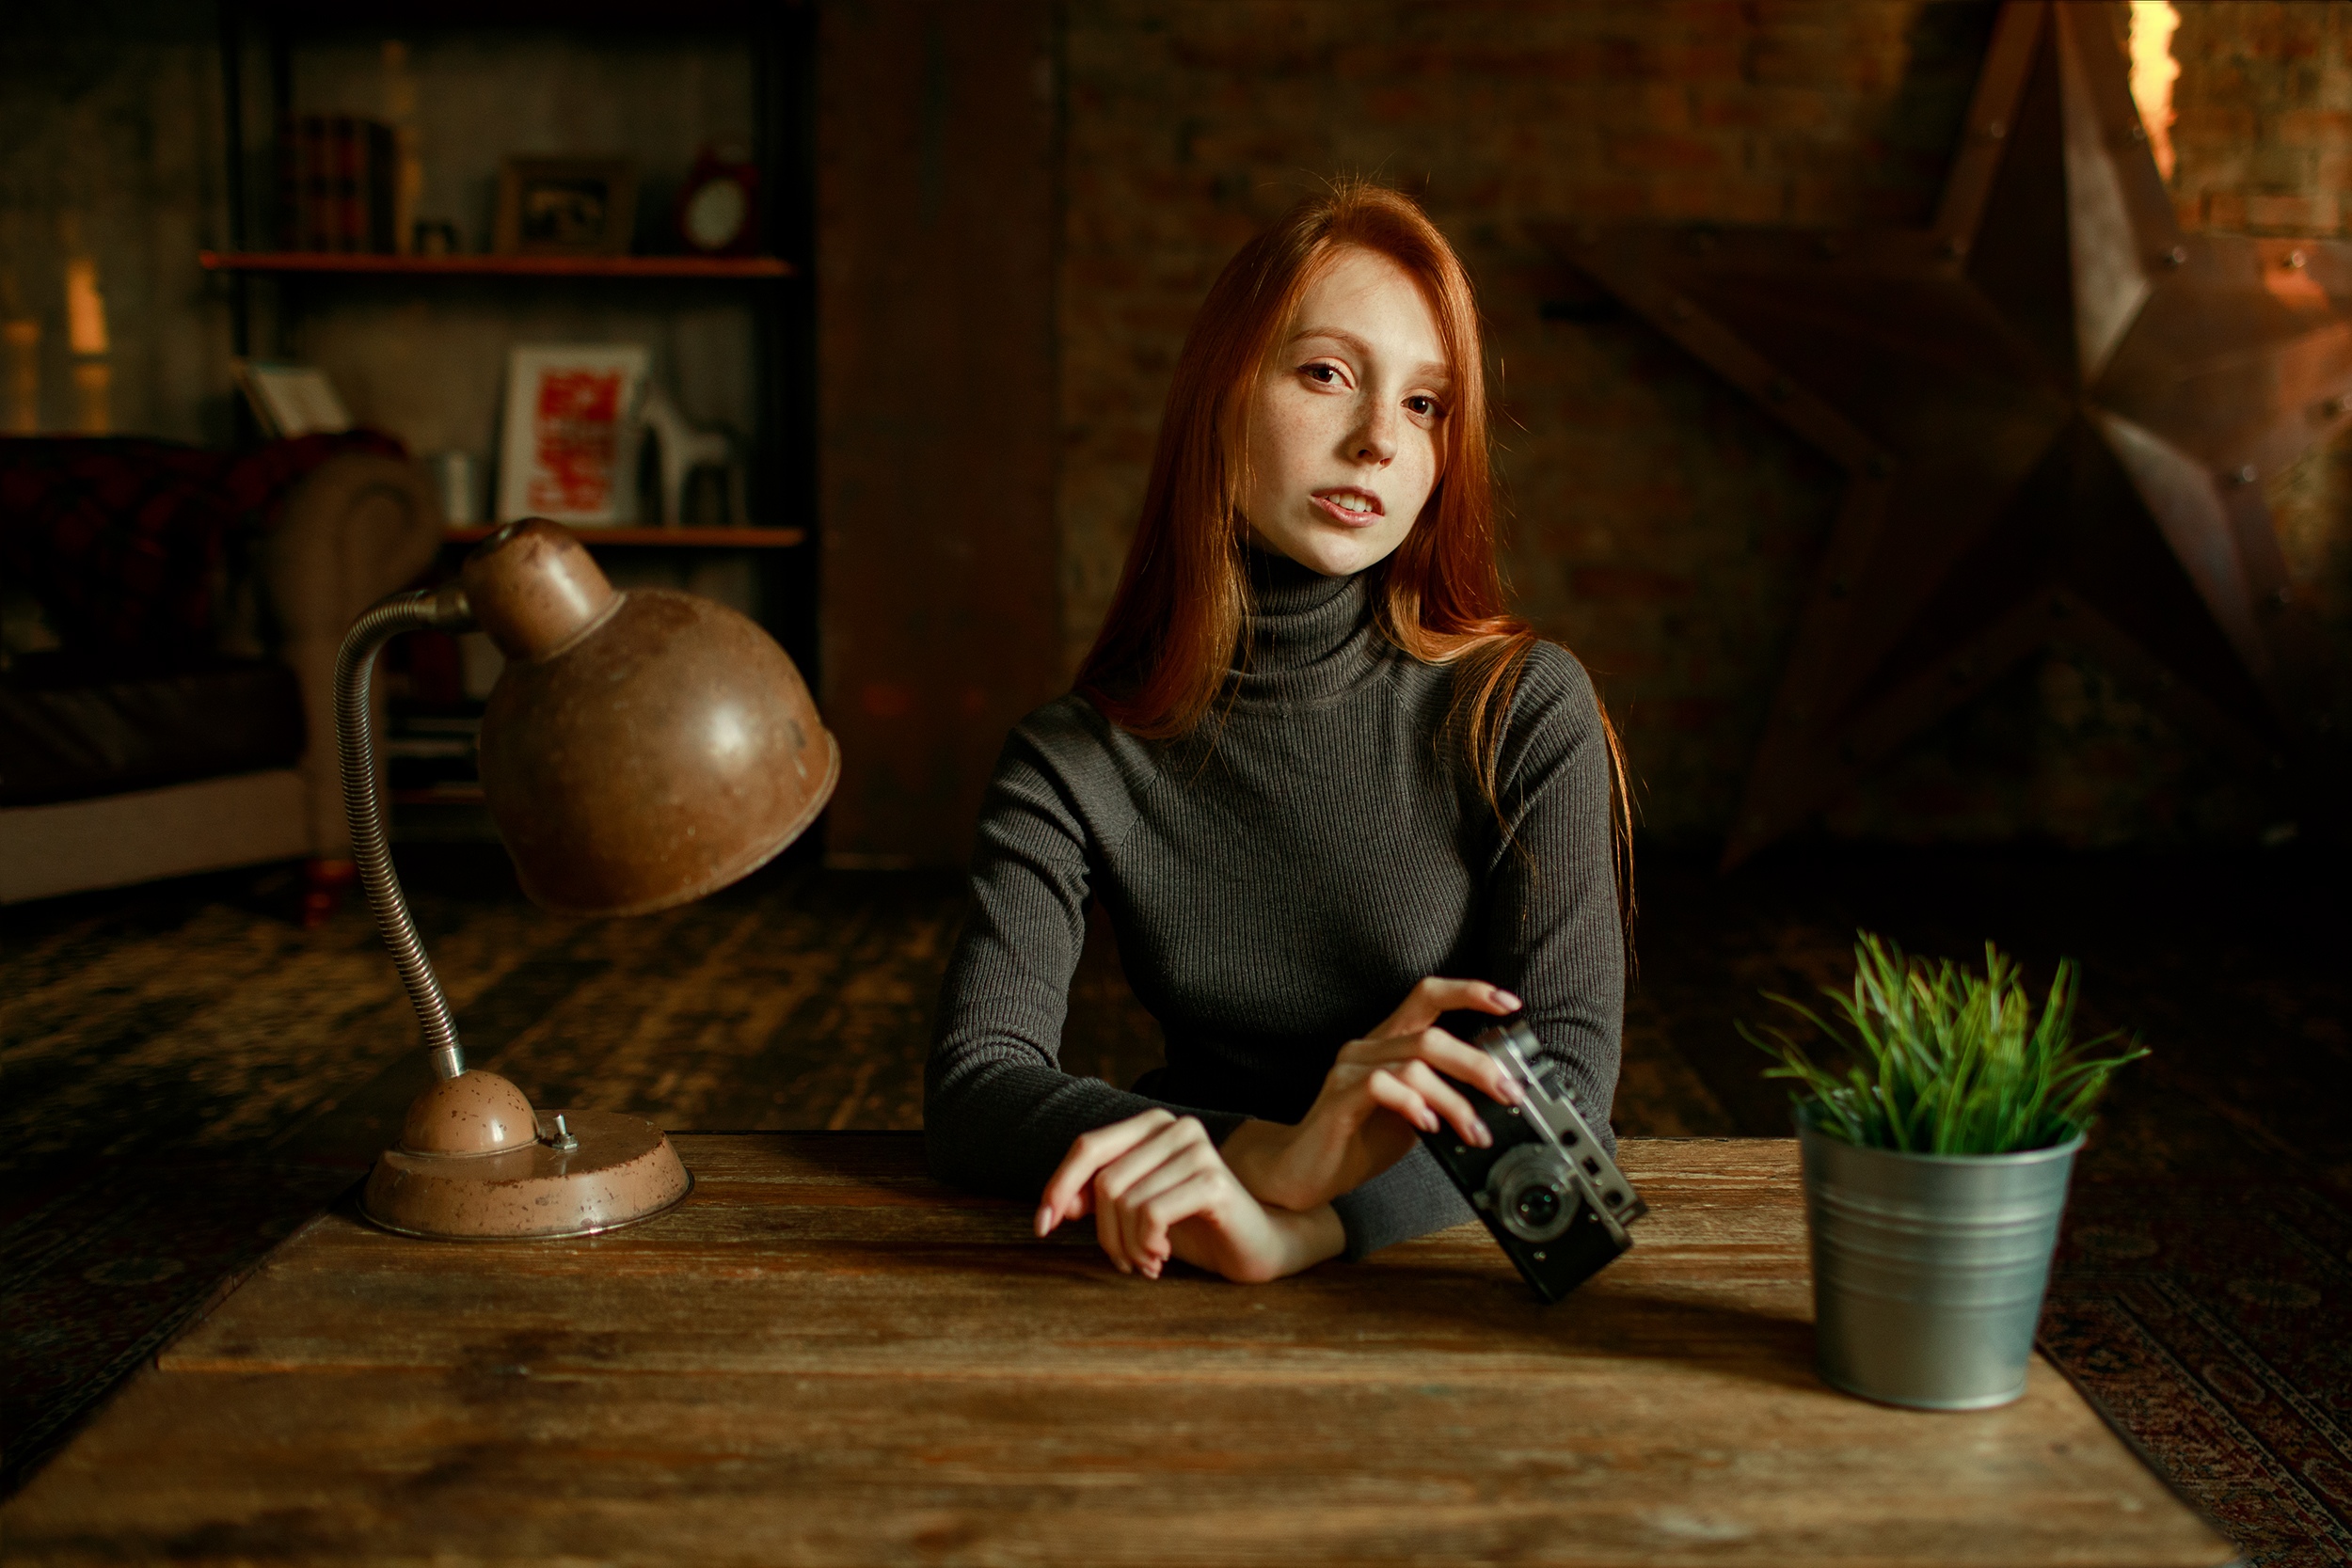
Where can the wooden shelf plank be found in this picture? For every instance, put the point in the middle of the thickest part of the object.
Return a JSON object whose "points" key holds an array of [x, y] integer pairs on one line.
{"points": [[676, 538], [345, 263]]}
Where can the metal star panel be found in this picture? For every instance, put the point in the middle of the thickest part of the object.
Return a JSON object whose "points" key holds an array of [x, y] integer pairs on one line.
{"points": [[2055, 411]]}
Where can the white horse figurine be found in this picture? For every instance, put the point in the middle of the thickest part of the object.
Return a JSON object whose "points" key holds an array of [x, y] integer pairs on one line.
{"points": [[683, 448]]}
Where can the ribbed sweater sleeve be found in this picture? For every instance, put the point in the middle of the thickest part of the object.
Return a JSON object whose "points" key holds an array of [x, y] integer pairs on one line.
{"points": [[998, 1111], [1552, 933], [1555, 934]]}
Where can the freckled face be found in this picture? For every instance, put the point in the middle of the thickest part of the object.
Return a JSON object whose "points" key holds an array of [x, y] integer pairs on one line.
{"points": [[1347, 419]]}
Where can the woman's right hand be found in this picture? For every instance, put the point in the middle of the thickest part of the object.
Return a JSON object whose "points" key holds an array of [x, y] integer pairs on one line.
{"points": [[1384, 1090], [1158, 1189]]}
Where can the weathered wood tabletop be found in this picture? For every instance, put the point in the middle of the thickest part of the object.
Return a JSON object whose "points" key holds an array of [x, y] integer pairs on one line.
{"points": [[824, 1357]]}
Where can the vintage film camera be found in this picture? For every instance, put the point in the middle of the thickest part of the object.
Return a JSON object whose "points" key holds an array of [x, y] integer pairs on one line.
{"points": [[1547, 1189]]}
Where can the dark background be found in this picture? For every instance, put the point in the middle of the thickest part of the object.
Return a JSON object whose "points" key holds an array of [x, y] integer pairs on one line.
{"points": [[1016, 207]]}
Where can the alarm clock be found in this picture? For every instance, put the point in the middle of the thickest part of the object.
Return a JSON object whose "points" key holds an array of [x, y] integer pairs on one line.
{"points": [[718, 207]]}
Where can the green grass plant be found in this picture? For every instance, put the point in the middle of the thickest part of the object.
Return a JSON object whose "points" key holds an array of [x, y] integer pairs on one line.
{"points": [[1944, 1060]]}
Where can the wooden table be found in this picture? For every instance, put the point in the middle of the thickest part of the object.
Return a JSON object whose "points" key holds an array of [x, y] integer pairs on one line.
{"points": [[824, 1357]]}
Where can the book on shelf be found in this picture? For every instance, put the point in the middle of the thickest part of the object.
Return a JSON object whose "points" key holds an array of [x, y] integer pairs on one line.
{"points": [[290, 400], [339, 184]]}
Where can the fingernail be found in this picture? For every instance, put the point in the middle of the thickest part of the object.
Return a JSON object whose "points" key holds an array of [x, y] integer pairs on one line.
{"points": [[1044, 1221], [1506, 998]]}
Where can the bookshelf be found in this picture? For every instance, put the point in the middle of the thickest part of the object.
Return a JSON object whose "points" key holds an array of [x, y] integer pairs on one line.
{"points": [[490, 78], [417, 342]]}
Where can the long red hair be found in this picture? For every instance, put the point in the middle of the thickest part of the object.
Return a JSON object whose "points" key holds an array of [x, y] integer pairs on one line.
{"points": [[1183, 596]]}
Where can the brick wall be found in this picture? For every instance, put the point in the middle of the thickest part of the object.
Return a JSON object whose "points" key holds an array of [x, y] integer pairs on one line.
{"points": [[2265, 146], [1660, 526], [2264, 129]]}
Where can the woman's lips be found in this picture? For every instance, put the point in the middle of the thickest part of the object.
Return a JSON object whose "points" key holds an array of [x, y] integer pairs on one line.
{"points": [[1330, 508]]}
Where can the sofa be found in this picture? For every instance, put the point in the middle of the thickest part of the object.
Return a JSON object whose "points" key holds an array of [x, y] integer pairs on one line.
{"points": [[169, 624]]}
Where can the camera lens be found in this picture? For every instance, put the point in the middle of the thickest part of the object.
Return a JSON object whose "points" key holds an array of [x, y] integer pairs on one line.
{"points": [[1529, 1189]]}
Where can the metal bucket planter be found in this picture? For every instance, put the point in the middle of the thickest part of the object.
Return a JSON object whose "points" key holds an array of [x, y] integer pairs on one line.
{"points": [[1928, 1269]]}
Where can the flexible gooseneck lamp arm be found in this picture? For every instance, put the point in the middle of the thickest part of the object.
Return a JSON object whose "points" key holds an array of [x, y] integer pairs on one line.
{"points": [[423, 609], [638, 751]]}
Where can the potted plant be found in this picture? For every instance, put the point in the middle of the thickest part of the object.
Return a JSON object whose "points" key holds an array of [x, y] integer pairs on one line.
{"points": [[1935, 1169]]}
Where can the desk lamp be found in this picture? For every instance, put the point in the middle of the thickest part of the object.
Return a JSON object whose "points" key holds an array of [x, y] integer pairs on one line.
{"points": [[639, 749]]}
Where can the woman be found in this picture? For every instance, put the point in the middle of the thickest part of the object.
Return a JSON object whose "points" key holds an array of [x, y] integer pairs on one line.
{"points": [[1329, 795]]}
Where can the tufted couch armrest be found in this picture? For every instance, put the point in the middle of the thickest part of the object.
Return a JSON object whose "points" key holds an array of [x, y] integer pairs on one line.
{"points": [[355, 529]]}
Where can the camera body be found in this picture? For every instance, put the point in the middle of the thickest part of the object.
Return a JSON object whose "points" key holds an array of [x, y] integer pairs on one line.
{"points": [[1547, 1189]]}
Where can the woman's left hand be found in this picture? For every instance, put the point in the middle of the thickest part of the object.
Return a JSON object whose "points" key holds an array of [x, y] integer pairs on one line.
{"points": [[1158, 1188]]}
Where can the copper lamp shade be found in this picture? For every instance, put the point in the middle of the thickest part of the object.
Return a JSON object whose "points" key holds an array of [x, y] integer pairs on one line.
{"points": [[640, 749]]}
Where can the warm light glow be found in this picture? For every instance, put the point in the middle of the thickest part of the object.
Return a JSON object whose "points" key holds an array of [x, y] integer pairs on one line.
{"points": [[93, 398], [85, 307], [2154, 22]]}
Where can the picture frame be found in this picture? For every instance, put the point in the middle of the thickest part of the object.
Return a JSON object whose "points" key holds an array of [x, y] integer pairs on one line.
{"points": [[568, 444], [577, 206]]}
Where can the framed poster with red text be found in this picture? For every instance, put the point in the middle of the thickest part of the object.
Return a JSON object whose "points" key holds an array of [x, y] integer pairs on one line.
{"points": [[569, 447]]}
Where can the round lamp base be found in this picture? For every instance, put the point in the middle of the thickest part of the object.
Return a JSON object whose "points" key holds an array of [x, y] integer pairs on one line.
{"points": [[623, 1170]]}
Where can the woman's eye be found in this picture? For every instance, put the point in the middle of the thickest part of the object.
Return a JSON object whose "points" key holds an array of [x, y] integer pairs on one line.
{"points": [[1424, 406], [1328, 375]]}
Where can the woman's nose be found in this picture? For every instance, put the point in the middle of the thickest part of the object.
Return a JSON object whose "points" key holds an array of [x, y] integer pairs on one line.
{"points": [[1374, 441]]}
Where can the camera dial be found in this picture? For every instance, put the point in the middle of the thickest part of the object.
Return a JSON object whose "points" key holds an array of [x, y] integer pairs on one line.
{"points": [[1531, 1192]]}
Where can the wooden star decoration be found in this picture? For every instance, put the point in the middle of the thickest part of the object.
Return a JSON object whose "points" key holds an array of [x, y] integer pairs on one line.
{"points": [[2054, 410]]}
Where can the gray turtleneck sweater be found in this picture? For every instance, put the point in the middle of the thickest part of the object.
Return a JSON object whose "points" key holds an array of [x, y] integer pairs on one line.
{"points": [[1277, 881]]}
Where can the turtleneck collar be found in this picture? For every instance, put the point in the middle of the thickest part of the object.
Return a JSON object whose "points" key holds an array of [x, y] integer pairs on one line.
{"points": [[1308, 636]]}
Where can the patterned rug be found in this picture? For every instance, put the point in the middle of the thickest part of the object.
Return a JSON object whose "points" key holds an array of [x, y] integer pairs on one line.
{"points": [[190, 1075], [2212, 1328]]}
